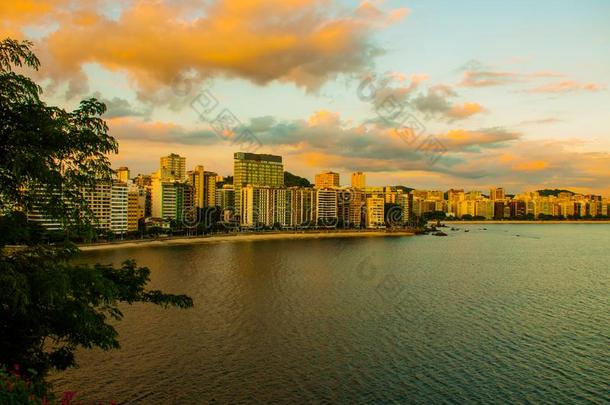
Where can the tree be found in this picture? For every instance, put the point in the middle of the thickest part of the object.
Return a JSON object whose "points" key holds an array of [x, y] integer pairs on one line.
{"points": [[50, 306], [435, 216], [294, 180], [554, 192]]}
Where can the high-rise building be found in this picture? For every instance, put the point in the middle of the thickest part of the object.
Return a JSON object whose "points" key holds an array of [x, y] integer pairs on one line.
{"points": [[405, 202], [454, 198], [118, 208], [350, 206], [327, 209], [497, 194], [38, 215], [143, 180], [209, 191], [168, 199], [122, 174], [203, 186], [263, 206], [375, 212], [435, 195], [499, 210], [225, 197], [517, 209], [467, 207], [136, 207], [358, 180], [485, 208], [474, 195], [108, 204], [257, 170], [173, 167], [196, 178], [327, 180], [301, 206]]}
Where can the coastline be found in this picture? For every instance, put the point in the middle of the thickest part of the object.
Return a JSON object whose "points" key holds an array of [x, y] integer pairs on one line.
{"points": [[516, 222], [239, 237]]}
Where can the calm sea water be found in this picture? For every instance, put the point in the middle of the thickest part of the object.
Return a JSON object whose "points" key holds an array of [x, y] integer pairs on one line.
{"points": [[514, 313]]}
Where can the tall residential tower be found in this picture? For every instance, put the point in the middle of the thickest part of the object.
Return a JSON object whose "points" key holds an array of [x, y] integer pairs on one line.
{"points": [[327, 180], [255, 169]]}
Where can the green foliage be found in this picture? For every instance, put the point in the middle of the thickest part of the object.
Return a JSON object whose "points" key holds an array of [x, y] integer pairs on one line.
{"points": [[15, 389], [436, 215], [47, 155], [15, 229], [291, 180], [49, 305], [554, 192]]}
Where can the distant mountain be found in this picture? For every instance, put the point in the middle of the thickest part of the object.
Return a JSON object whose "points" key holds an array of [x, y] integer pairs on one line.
{"points": [[404, 189], [555, 192], [291, 180]]}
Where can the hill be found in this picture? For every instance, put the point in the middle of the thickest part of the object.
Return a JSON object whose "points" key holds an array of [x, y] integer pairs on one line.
{"points": [[291, 180], [554, 192]]}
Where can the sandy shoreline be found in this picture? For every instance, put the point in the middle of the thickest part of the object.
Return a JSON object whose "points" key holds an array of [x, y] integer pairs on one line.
{"points": [[238, 238], [509, 222]]}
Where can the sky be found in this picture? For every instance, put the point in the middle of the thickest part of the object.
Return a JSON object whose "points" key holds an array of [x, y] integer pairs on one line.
{"points": [[427, 94]]}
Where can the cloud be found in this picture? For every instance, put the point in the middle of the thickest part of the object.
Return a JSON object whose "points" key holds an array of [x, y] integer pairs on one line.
{"points": [[541, 121], [305, 42], [393, 93], [437, 101], [531, 166], [486, 78], [16, 15], [464, 110], [478, 75], [324, 118], [566, 86], [119, 107], [325, 131], [476, 158], [476, 140], [131, 129]]}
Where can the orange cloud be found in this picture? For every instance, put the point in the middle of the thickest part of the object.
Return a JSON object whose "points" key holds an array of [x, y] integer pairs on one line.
{"points": [[299, 41], [465, 110], [324, 117], [15, 14], [566, 86], [531, 166], [460, 138], [477, 76]]}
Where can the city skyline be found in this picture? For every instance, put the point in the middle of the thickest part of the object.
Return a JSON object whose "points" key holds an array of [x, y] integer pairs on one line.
{"points": [[519, 104], [341, 180]]}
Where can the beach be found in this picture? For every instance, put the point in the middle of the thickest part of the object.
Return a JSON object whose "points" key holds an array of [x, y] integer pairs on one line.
{"points": [[516, 222], [239, 237]]}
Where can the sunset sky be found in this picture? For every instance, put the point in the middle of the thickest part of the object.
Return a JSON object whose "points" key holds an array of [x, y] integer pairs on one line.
{"points": [[516, 92]]}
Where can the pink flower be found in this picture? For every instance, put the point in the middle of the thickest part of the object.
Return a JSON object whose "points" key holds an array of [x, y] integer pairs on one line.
{"points": [[67, 397]]}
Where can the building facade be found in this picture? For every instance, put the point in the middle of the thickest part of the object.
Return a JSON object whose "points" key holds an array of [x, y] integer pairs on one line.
{"points": [[358, 180], [255, 169], [173, 167], [326, 180], [375, 212], [327, 207]]}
